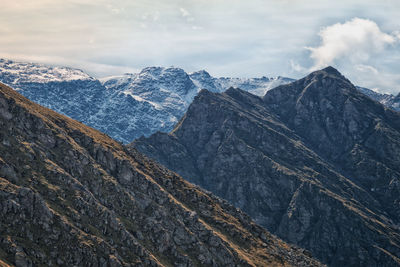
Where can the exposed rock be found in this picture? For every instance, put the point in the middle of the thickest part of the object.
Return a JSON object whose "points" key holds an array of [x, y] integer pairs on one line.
{"points": [[124, 107], [72, 196], [316, 162]]}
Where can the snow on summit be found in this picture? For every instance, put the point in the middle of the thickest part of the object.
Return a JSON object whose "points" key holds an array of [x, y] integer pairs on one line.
{"points": [[130, 105], [19, 72]]}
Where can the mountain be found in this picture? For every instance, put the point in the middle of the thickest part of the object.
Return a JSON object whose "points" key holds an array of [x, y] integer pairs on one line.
{"points": [[156, 98], [124, 107], [131, 105], [315, 161], [72, 196], [388, 100], [257, 86]]}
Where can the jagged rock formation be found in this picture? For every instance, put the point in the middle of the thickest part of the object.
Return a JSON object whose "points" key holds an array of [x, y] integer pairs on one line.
{"points": [[125, 107], [72, 196], [315, 161]]}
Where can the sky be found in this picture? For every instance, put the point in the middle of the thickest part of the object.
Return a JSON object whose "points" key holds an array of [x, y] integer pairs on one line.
{"points": [[233, 38]]}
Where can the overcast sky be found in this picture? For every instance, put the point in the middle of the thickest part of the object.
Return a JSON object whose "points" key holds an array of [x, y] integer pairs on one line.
{"points": [[238, 38]]}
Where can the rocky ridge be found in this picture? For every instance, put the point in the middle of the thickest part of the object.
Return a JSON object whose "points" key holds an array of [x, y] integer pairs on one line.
{"points": [[131, 105], [124, 107], [315, 162], [70, 195]]}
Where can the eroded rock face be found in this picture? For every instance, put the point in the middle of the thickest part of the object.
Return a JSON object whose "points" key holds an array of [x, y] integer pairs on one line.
{"points": [[360, 137], [71, 196], [315, 162]]}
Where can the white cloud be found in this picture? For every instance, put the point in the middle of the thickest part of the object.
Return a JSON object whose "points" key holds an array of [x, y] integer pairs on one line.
{"points": [[397, 34], [297, 67], [356, 40], [186, 14], [366, 68], [153, 16], [373, 78], [196, 28]]}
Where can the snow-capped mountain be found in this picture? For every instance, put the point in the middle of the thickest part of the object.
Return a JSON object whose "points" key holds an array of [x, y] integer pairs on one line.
{"points": [[131, 105], [162, 95], [388, 100], [15, 73], [127, 106], [257, 86], [68, 91]]}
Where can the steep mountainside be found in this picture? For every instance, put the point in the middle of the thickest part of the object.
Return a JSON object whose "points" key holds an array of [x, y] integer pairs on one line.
{"points": [[359, 136], [71, 196], [315, 162]]}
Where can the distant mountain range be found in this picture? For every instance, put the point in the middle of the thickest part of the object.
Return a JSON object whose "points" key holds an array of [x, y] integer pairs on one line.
{"points": [[131, 105], [72, 196], [315, 161]]}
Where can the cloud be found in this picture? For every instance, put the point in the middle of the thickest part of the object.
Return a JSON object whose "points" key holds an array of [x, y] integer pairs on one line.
{"points": [[366, 68], [356, 40], [397, 34], [186, 14], [379, 81], [153, 16], [297, 67]]}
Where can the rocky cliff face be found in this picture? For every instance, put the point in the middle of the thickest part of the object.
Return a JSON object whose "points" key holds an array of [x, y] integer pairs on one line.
{"points": [[71, 196], [314, 161], [360, 137]]}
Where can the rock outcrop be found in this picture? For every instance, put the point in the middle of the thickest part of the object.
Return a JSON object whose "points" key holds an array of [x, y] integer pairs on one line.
{"points": [[315, 162], [72, 196]]}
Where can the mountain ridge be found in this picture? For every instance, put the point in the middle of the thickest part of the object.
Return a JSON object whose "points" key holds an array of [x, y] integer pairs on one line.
{"points": [[272, 158], [71, 195], [130, 105]]}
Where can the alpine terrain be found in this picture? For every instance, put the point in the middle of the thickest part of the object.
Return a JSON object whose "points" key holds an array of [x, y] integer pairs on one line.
{"points": [[124, 107], [314, 161], [72, 196], [131, 105]]}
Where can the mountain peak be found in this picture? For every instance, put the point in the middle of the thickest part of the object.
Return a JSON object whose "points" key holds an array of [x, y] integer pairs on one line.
{"points": [[318, 84], [200, 73], [331, 70], [232, 90], [326, 73], [12, 72]]}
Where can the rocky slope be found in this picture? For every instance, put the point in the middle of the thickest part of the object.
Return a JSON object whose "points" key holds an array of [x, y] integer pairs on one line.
{"points": [[315, 161], [72, 196]]}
